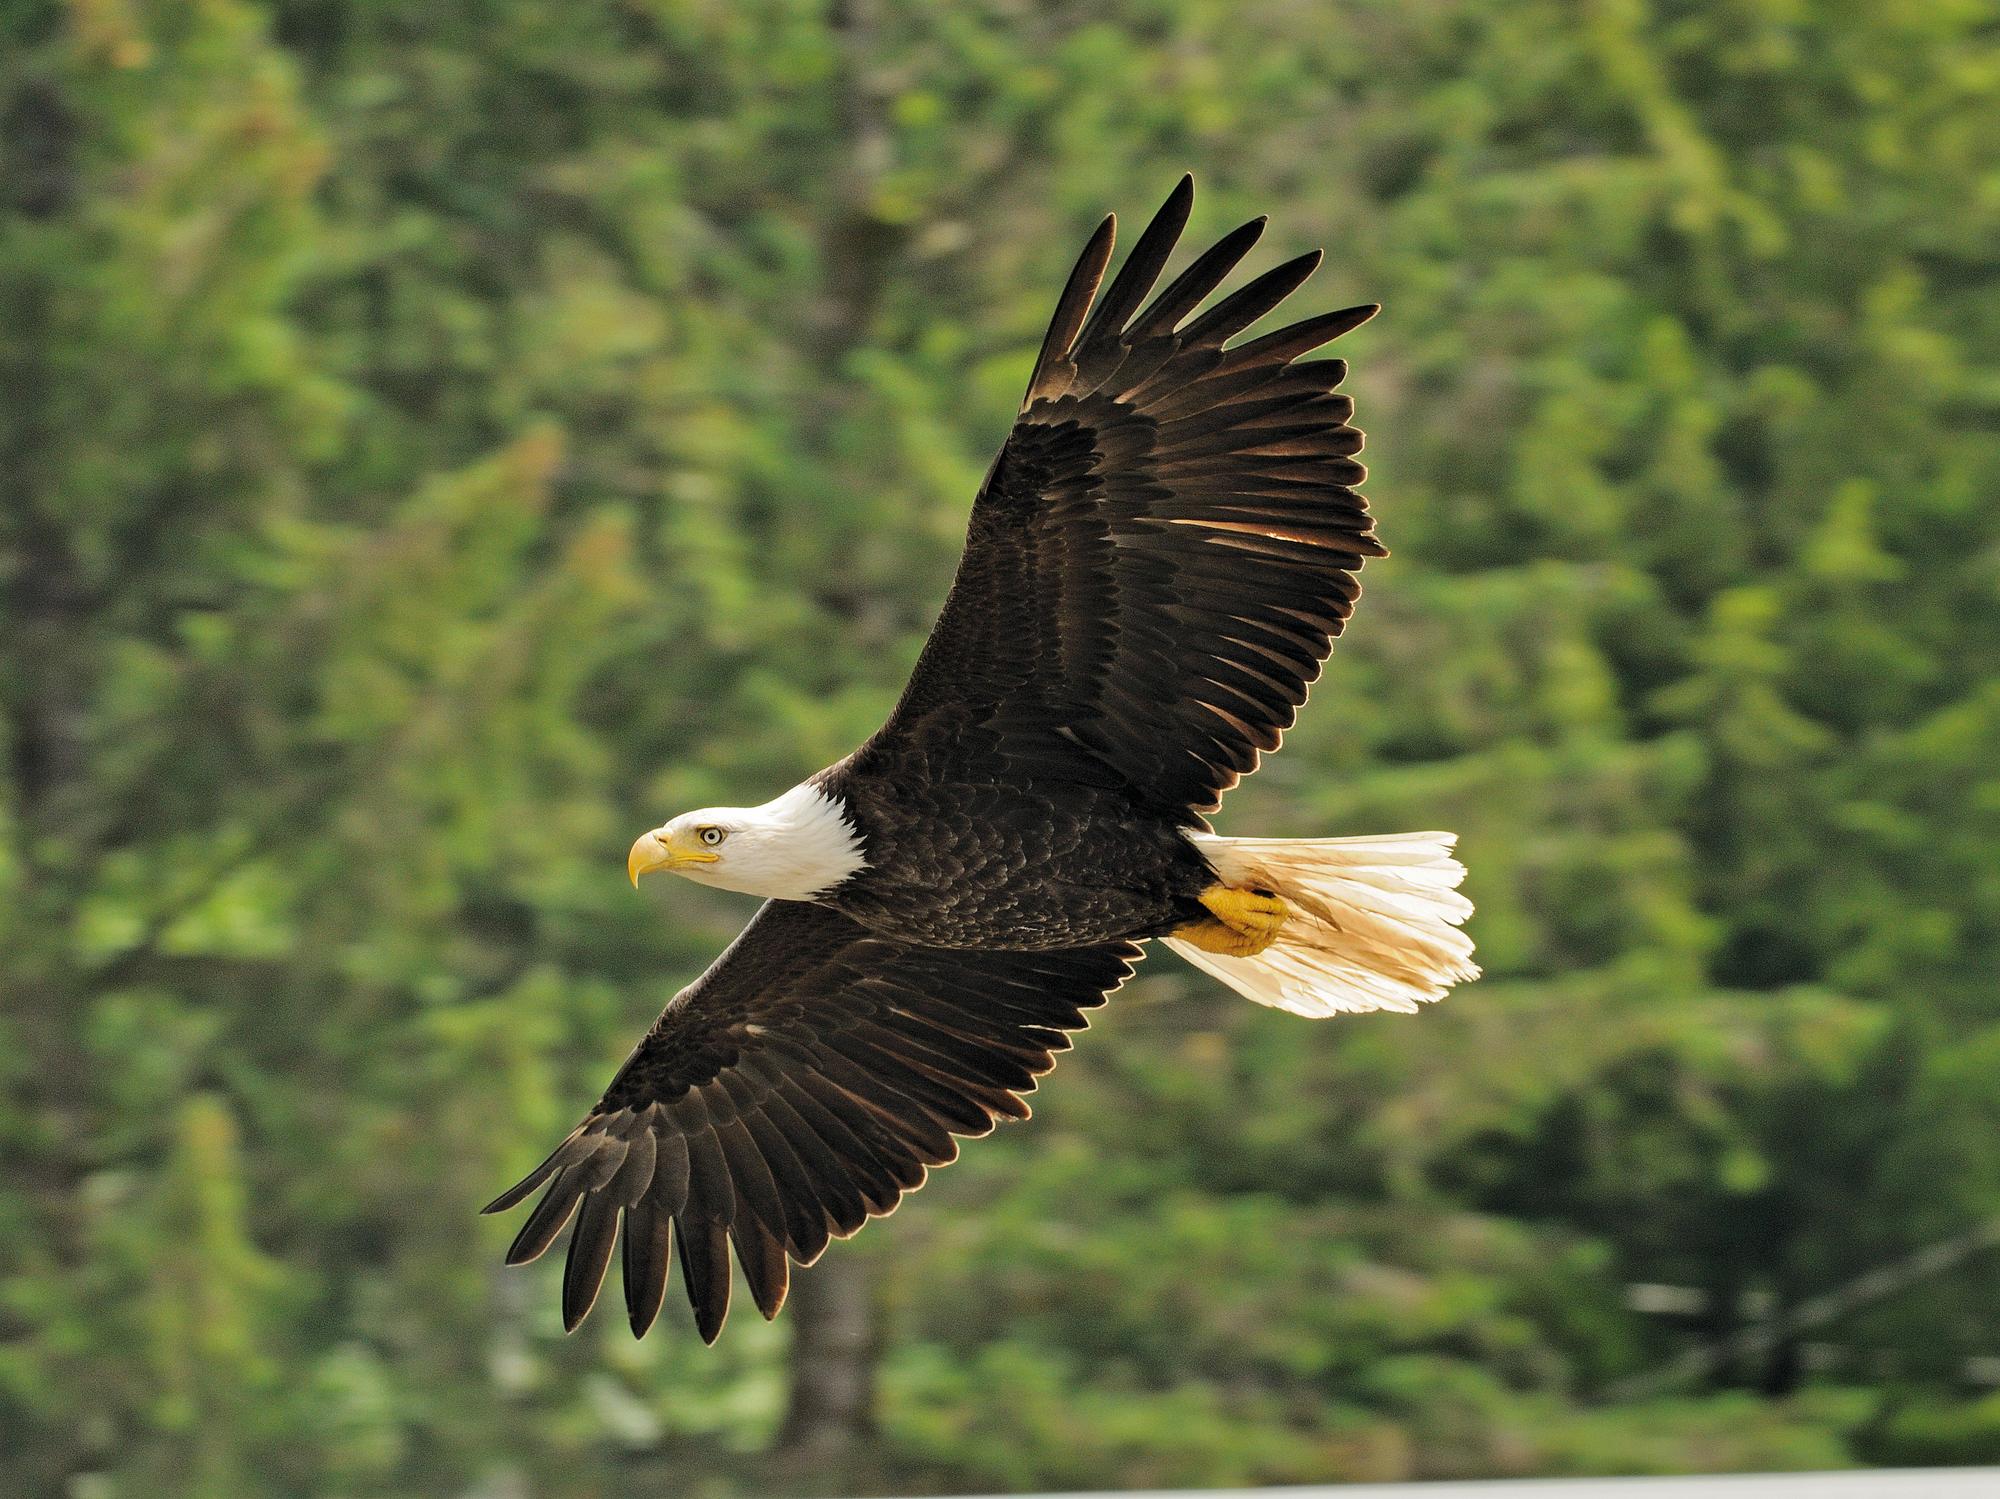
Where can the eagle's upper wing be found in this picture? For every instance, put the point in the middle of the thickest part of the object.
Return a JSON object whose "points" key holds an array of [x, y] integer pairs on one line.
{"points": [[801, 1085], [1165, 548]]}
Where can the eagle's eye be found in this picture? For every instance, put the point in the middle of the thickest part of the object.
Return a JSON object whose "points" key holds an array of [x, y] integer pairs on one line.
{"points": [[712, 836]]}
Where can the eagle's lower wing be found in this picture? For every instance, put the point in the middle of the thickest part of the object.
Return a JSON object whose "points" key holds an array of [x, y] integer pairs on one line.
{"points": [[1165, 548], [800, 1086]]}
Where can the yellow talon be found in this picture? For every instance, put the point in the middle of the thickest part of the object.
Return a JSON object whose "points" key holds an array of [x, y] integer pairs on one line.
{"points": [[1243, 924]]}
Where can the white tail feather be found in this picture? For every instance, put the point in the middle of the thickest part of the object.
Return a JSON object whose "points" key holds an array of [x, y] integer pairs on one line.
{"points": [[1374, 925]]}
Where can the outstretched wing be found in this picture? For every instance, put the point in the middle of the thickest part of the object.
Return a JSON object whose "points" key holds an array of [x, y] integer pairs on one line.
{"points": [[1165, 548], [799, 1087]]}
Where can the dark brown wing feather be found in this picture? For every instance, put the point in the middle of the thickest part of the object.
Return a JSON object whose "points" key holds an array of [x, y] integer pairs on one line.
{"points": [[803, 1084], [1165, 548]]}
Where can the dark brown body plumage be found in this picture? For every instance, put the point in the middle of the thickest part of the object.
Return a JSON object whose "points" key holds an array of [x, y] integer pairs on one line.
{"points": [[1155, 570], [958, 864]]}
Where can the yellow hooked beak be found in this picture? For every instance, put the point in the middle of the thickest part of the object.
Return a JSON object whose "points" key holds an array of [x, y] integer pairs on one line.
{"points": [[653, 852]]}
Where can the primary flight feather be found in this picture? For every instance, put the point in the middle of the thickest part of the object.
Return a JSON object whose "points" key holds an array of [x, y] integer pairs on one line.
{"points": [[1155, 570]]}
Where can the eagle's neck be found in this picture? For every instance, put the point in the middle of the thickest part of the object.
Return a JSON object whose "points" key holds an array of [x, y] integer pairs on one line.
{"points": [[795, 847]]}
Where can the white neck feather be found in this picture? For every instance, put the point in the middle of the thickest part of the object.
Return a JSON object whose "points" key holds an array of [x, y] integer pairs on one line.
{"points": [[794, 847]]}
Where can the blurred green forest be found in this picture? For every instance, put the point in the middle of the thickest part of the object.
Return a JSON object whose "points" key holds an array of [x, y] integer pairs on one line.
{"points": [[438, 442]]}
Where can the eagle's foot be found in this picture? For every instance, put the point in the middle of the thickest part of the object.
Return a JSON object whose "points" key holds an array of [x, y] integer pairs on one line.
{"points": [[1243, 924]]}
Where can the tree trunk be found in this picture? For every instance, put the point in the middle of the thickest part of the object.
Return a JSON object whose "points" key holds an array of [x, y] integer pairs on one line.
{"points": [[835, 1340], [836, 1334]]}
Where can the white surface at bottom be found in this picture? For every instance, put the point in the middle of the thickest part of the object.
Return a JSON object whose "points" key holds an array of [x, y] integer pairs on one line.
{"points": [[1881, 1483]]}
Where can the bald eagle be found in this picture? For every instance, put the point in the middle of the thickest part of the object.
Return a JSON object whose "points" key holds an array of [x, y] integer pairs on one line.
{"points": [[1155, 569]]}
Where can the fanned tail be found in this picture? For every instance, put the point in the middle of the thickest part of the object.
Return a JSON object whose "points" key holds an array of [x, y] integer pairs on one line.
{"points": [[1374, 924]]}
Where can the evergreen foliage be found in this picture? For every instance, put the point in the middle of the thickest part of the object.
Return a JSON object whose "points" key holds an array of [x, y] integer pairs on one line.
{"points": [[437, 442]]}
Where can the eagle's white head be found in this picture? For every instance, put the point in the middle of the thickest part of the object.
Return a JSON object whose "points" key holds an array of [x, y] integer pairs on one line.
{"points": [[794, 848]]}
